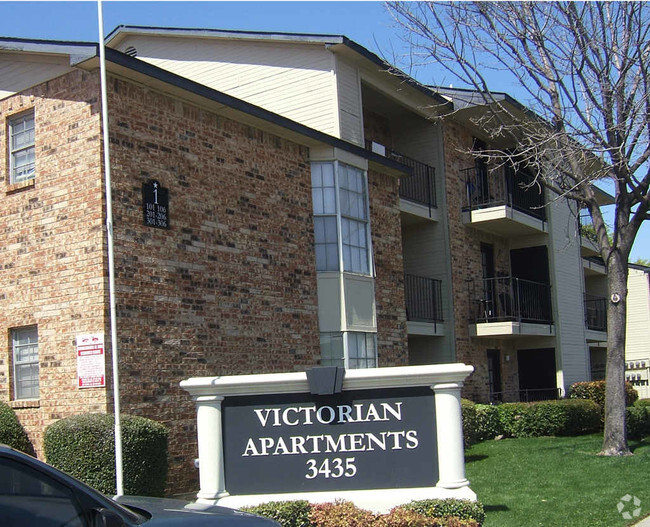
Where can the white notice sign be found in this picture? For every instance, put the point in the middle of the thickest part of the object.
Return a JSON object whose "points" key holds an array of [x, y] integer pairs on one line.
{"points": [[91, 366]]}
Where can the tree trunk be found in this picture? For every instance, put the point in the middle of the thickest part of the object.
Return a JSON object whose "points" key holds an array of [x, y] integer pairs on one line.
{"points": [[615, 436]]}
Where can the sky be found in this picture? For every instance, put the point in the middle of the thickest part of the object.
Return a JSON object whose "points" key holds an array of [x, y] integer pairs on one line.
{"points": [[367, 23]]}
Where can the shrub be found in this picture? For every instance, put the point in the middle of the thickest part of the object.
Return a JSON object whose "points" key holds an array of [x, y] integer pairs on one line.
{"points": [[557, 418], [509, 416], [452, 521], [463, 510], [638, 421], [401, 517], [12, 432], [595, 390], [84, 447], [287, 513], [470, 424], [642, 402], [488, 425], [340, 514]]}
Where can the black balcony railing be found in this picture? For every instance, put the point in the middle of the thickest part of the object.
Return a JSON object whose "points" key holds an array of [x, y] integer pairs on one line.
{"points": [[491, 188], [420, 186], [595, 313], [510, 299], [423, 299]]}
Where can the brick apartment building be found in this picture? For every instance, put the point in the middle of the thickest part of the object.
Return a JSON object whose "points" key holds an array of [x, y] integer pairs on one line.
{"points": [[319, 212]]}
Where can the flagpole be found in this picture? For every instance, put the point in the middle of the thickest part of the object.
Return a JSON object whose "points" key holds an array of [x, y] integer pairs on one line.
{"points": [[111, 258]]}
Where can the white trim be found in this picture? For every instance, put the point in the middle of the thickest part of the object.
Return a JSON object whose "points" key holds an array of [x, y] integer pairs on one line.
{"points": [[394, 377], [492, 329]]}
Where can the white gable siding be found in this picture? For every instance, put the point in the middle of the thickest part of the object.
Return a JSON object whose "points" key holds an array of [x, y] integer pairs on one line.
{"points": [[293, 80], [349, 97], [18, 73], [637, 345], [567, 287]]}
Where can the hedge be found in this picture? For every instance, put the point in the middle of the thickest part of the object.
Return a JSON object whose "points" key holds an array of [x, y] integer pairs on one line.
{"points": [[12, 432], [84, 447], [547, 418], [423, 513], [556, 418], [443, 508], [287, 513], [595, 390], [638, 421]]}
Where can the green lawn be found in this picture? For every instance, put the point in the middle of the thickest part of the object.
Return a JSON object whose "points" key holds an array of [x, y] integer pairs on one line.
{"points": [[557, 481]]}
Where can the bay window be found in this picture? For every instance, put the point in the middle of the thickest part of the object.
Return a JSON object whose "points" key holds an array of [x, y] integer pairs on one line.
{"points": [[340, 199]]}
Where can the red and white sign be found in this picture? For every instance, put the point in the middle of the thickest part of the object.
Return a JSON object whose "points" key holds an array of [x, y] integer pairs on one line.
{"points": [[91, 364]]}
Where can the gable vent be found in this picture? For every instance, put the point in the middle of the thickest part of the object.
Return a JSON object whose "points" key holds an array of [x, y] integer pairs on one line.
{"points": [[131, 51]]}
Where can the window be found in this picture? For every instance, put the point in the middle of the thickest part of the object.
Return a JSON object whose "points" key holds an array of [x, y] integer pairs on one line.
{"points": [[25, 362], [340, 201], [354, 219], [362, 350], [351, 350], [22, 151], [331, 348], [325, 229]]}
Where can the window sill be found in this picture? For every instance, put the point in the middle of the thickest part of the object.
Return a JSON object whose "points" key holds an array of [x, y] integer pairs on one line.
{"points": [[25, 403], [23, 185]]}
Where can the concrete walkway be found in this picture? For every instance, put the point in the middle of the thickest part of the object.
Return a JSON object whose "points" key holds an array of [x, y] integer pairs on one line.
{"points": [[645, 522]]}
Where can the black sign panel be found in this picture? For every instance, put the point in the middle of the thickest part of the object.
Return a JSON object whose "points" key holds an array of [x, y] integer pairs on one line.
{"points": [[155, 205], [366, 439]]}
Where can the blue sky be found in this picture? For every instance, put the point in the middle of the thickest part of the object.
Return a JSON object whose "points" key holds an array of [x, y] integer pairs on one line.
{"points": [[367, 23]]}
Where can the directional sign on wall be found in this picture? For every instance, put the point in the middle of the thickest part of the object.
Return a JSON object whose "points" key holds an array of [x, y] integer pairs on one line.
{"points": [[155, 205]]}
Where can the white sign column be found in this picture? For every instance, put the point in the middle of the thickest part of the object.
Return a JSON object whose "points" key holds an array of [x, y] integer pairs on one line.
{"points": [[209, 429], [449, 429]]}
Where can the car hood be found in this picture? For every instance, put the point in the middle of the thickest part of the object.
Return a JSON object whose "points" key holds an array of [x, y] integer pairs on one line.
{"points": [[163, 511]]}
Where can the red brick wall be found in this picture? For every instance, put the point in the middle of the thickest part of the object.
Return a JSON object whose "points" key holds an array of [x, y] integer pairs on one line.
{"points": [[51, 246], [230, 288], [389, 283]]}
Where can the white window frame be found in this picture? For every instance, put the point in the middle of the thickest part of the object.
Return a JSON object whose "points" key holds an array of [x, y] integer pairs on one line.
{"points": [[22, 339], [24, 148], [345, 264]]}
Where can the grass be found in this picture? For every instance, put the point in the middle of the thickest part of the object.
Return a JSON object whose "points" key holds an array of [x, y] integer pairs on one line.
{"points": [[557, 481]]}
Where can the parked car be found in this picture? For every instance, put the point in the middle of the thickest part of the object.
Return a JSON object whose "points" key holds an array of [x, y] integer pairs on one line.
{"points": [[34, 494]]}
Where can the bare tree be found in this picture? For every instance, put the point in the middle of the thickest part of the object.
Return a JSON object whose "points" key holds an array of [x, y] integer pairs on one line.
{"points": [[584, 68]]}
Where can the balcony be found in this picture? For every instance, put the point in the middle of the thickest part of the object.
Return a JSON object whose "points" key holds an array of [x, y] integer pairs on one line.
{"points": [[588, 237], [503, 202], [593, 266], [418, 189], [510, 307], [423, 305], [596, 318]]}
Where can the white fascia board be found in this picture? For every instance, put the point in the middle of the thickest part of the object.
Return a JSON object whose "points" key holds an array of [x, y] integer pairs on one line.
{"points": [[77, 53], [125, 31]]}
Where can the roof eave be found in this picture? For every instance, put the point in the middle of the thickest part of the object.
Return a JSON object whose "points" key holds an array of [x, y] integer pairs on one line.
{"points": [[238, 109]]}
